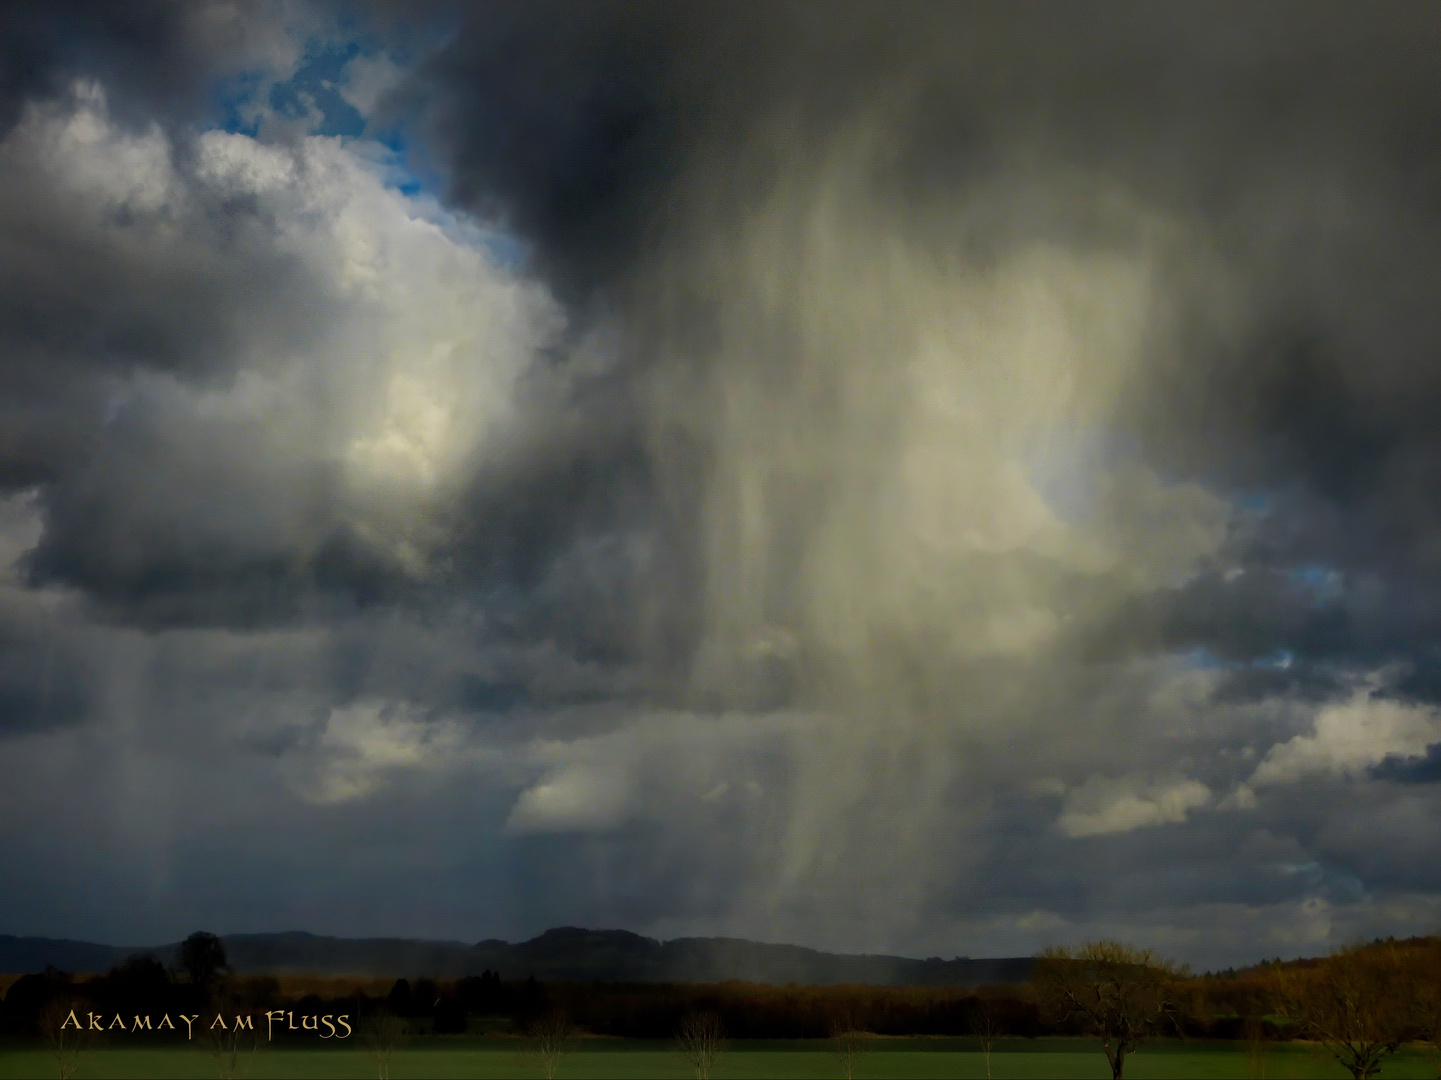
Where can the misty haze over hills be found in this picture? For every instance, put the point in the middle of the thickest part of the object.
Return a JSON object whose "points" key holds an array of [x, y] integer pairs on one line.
{"points": [[564, 953]]}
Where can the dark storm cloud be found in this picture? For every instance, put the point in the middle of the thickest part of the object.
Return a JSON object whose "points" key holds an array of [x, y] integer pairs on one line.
{"points": [[97, 297], [44, 45], [161, 59], [581, 118], [976, 484], [1425, 769], [175, 527], [1297, 143], [162, 287], [43, 683], [586, 124]]}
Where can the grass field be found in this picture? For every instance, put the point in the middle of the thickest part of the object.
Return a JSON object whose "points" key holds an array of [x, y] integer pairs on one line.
{"points": [[594, 1058]]}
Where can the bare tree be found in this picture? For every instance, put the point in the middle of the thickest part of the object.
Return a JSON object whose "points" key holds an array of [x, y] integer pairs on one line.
{"points": [[1424, 963], [381, 1033], [227, 1029], [1256, 1049], [550, 1036], [1116, 992], [985, 1026], [62, 1024], [850, 1041], [701, 1038], [1361, 1004]]}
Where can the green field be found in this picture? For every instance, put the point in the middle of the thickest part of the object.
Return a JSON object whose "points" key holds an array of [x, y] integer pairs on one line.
{"points": [[618, 1058]]}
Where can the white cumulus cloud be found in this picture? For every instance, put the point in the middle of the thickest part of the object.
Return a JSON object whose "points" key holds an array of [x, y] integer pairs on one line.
{"points": [[362, 744], [576, 799], [1349, 736], [367, 79], [1105, 805]]}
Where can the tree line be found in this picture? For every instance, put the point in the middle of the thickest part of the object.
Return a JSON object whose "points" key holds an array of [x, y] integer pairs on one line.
{"points": [[1361, 1004]]}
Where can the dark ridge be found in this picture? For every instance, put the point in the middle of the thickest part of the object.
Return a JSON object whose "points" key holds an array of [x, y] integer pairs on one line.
{"points": [[564, 953], [22, 954]]}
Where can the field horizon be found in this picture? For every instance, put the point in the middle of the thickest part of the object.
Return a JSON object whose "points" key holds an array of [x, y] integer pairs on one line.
{"points": [[917, 1057]]}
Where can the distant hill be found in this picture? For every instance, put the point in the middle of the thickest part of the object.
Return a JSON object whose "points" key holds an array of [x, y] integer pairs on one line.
{"points": [[22, 954], [563, 953]]}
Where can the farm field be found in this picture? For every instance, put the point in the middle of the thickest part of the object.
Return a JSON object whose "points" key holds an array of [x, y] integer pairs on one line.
{"points": [[922, 1059]]}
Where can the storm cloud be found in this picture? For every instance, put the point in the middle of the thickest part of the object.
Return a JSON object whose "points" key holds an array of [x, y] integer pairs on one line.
{"points": [[949, 480]]}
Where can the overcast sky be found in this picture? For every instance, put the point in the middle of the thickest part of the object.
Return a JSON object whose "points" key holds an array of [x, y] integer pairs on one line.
{"points": [[942, 479]]}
